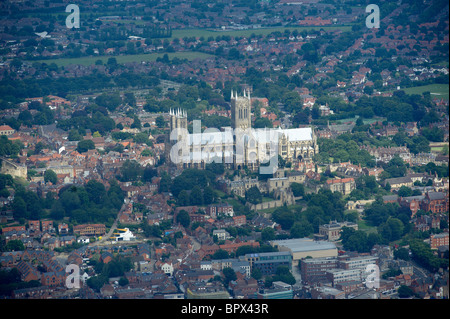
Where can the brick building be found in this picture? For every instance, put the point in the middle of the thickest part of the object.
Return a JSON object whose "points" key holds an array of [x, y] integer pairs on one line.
{"points": [[436, 202], [89, 229], [343, 185], [314, 269], [439, 240]]}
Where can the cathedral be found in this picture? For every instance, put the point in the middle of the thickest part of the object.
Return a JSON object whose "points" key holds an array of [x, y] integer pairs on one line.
{"points": [[239, 146]]}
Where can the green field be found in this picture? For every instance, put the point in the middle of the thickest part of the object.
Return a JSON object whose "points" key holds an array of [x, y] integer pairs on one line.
{"points": [[125, 58], [362, 225], [365, 121], [181, 33], [436, 90]]}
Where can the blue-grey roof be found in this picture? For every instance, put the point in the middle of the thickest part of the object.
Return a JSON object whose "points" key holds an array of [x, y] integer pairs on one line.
{"points": [[304, 244]]}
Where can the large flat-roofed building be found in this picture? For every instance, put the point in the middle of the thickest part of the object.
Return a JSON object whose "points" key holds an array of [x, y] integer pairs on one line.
{"points": [[315, 269], [306, 247], [344, 275], [360, 262], [280, 290], [268, 263]]}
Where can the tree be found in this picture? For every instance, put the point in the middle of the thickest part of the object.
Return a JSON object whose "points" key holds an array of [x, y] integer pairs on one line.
{"points": [[131, 171], [74, 135], [256, 273], [208, 195], [253, 195], [196, 196], [19, 208], [183, 198], [284, 274], [57, 210], [433, 134], [234, 54], [50, 176], [110, 101], [220, 254], [123, 281], [284, 217], [97, 282], [85, 145], [396, 167], [70, 200], [149, 172], [357, 240], [301, 230], [159, 121], [405, 292], [165, 183], [405, 191], [15, 245], [262, 123], [423, 255], [183, 218], [402, 253], [298, 189], [96, 191], [419, 144], [136, 123], [392, 229], [229, 274], [378, 212], [267, 234]]}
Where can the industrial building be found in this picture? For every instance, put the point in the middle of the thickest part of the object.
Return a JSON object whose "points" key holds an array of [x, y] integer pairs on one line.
{"points": [[306, 247]]}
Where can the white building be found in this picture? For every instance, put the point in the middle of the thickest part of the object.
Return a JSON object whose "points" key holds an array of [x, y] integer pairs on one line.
{"points": [[123, 235], [83, 239], [221, 234], [167, 268], [206, 265]]}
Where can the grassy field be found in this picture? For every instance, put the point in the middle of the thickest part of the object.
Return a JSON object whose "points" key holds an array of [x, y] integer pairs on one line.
{"points": [[246, 33], [363, 226], [436, 90], [125, 58], [365, 121], [437, 149]]}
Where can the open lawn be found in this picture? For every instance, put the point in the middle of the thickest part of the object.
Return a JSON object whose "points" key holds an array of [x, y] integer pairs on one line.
{"points": [[125, 58], [364, 227], [296, 207], [365, 121], [181, 33], [436, 90]]}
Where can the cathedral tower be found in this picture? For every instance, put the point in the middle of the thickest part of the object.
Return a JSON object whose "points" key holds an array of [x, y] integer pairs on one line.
{"points": [[241, 111], [177, 134], [178, 120]]}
